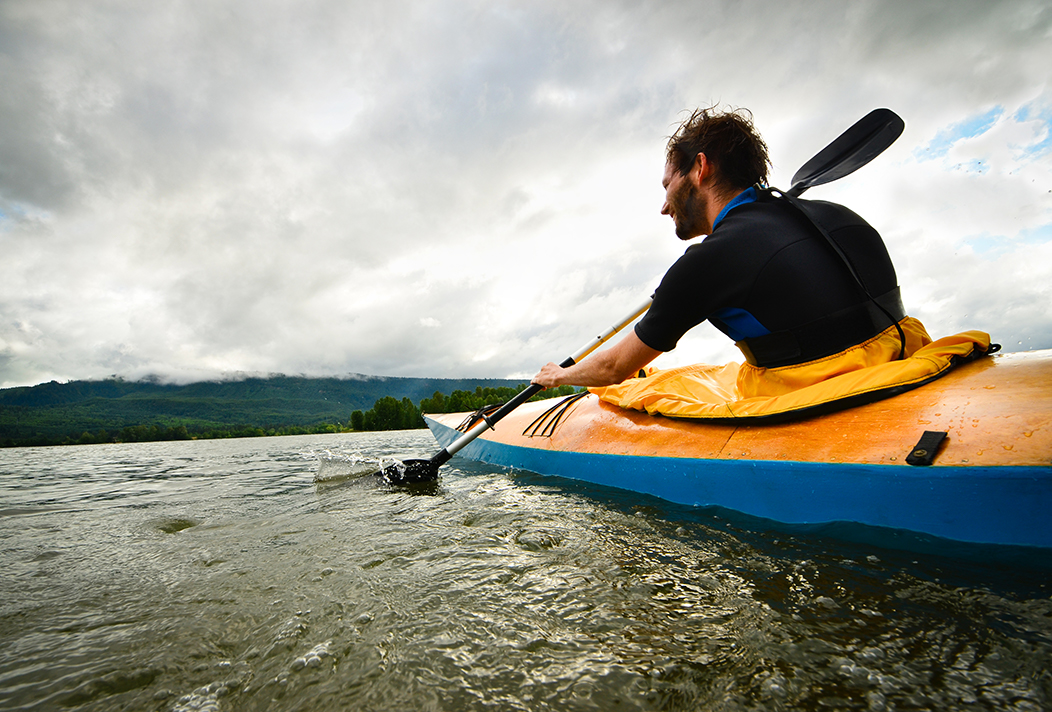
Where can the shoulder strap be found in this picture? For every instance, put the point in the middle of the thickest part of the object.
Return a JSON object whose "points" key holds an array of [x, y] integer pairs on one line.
{"points": [[798, 204]]}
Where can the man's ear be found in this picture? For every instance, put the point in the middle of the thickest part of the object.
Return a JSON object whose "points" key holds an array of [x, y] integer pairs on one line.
{"points": [[701, 170]]}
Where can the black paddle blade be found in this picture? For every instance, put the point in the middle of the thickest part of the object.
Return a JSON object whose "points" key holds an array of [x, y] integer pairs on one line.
{"points": [[410, 472], [854, 148]]}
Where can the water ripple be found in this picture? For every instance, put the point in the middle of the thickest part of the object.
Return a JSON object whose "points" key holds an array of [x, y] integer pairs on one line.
{"points": [[270, 574]]}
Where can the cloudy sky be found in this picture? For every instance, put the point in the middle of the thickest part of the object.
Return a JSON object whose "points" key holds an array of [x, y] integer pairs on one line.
{"points": [[470, 189]]}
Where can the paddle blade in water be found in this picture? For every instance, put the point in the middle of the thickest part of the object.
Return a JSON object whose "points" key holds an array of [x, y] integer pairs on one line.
{"points": [[410, 472]]}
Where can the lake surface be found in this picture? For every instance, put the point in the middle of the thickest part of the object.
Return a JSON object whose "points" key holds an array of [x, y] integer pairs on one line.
{"points": [[262, 574]]}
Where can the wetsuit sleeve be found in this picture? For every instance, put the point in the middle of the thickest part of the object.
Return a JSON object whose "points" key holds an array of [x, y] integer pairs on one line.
{"points": [[684, 299]]}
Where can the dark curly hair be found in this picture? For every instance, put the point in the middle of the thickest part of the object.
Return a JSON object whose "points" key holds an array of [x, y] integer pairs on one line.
{"points": [[728, 139]]}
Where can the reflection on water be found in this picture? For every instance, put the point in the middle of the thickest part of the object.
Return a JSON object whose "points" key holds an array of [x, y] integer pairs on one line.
{"points": [[275, 574]]}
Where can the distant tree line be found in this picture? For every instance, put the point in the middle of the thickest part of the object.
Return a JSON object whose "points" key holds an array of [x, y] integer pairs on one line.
{"points": [[387, 413], [391, 414]]}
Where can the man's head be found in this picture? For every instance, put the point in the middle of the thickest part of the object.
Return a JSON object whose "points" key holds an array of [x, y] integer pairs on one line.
{"points": [[730, 143], [711, 158]]}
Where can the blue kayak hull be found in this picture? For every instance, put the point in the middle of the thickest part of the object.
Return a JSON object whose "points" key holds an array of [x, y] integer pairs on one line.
{"points": [[996, 505]]}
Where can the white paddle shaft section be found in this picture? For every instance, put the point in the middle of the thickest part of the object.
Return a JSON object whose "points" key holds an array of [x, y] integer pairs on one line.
{"points": [[588, 348]]}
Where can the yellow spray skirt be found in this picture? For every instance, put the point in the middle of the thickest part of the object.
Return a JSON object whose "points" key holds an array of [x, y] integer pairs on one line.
{"points": [[862, 373]]}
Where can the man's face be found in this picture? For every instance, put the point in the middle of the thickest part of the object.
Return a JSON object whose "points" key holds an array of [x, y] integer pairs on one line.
{"points": [[683, 204]]}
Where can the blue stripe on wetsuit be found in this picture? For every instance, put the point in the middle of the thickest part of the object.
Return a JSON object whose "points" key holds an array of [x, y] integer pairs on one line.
{"points": [[739, 324]]}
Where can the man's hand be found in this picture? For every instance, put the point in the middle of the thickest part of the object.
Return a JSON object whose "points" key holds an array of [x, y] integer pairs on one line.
{"points": [[549, 376]]}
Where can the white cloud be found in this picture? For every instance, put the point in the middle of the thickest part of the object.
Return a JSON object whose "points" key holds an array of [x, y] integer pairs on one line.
{"points": [[461, 188]]}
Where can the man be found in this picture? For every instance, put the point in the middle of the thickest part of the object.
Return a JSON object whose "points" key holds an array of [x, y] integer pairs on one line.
{"points": [[765, 274]]}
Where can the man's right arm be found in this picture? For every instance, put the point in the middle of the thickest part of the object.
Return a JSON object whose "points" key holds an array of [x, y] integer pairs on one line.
{"points": [[602, 368]]}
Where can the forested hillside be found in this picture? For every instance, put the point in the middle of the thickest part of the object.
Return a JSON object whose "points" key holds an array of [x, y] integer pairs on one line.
{"points": [[98, 411]]}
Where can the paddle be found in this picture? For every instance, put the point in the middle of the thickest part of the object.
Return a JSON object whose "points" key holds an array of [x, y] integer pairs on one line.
{"points": [[854, 148], [411, 471]]}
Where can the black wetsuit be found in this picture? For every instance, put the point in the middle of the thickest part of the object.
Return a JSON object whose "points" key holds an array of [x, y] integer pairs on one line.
{"points": [[767, 278]]}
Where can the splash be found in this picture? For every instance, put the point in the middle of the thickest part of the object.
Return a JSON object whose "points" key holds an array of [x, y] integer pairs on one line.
{"points": [[336, 467]]}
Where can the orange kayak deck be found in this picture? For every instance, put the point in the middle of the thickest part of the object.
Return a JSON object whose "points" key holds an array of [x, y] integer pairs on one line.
{"points": [[996, 411]]}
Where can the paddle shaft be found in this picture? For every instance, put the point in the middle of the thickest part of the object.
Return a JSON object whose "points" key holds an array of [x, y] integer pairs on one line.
{"points": [[489, 421], [854, 148]]}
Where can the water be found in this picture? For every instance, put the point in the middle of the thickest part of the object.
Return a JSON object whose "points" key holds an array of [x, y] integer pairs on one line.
{"points": [[222, 575]]}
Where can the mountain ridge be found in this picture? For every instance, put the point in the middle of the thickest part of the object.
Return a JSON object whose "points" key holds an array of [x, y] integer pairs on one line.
{"points": [[49, 412]]}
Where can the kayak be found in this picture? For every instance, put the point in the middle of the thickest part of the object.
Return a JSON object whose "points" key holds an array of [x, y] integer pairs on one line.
{"points": [[967, 457]]}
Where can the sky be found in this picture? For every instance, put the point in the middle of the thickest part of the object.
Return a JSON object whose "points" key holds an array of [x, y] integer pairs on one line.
{"points": [[208, 189]]}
